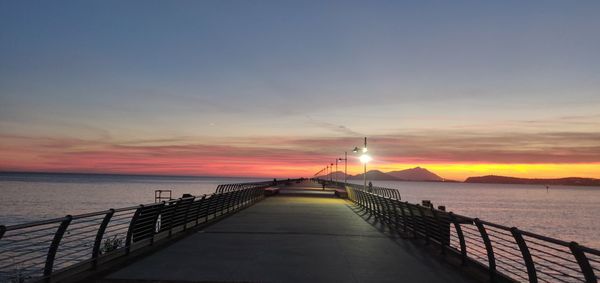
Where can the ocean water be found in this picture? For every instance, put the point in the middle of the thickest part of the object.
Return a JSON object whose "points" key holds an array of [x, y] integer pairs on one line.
{"points": [[564, 212], [29, 197]]}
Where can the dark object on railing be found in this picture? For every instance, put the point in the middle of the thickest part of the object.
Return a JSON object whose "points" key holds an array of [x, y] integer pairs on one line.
{"points": [[158, 195], [508, 254], [43, 250]]}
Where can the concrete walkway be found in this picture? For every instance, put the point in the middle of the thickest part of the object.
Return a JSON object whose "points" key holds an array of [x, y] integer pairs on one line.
{"points": [[291, 239]]}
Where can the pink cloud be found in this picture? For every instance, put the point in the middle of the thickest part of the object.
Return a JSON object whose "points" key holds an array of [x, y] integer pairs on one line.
{"points": [[285, 156]]}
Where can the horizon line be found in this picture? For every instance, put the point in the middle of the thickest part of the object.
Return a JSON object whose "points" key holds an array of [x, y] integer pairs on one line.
{"points": [[129, 174]]}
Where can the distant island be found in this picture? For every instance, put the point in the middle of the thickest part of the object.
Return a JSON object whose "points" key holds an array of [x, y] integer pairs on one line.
{"points": [[570, 181], [419, 174], [413, 174]]}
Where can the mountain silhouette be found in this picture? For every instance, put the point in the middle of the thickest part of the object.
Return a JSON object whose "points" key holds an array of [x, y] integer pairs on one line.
{"points": [[373, 175], [415, 174], [412, 174]]}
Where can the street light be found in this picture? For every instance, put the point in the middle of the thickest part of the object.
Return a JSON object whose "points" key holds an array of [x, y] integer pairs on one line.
{"points": [[345, 166], [336, 170], [364, 158], [331, 175]]}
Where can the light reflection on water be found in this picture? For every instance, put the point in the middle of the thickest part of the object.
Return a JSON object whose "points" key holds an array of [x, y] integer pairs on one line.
{"points": [[564, 212]]}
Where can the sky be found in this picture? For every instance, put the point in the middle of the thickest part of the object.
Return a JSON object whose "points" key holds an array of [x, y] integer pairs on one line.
{"points": [[282, 88]]}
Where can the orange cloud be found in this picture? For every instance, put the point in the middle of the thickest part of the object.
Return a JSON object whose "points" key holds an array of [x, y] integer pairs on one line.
{"points": [[451, 155]]}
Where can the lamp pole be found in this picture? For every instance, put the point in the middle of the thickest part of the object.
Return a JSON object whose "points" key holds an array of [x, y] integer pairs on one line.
{"points": [[365, 170], [364, 158], [336, 170], [331, 175], [345, 166]]}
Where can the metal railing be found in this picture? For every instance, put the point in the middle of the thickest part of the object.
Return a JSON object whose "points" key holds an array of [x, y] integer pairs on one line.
{"points": [[507, 253], [51, 248]]}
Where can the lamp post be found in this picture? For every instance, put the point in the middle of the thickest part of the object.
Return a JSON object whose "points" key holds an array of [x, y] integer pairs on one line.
{"points": [[331, 175], [364, 158], [345, 166], [336, 170]]}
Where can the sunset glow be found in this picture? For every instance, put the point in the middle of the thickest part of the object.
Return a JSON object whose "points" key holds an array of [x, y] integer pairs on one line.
{"points": [[281, 89], [258, 157]]}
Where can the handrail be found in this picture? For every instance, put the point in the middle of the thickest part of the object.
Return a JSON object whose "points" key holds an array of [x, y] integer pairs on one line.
{"points": [[41, 250], [508, 253]]}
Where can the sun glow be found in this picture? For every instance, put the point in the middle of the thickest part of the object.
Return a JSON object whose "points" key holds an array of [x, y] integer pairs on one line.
{"points": [[460, 172]]}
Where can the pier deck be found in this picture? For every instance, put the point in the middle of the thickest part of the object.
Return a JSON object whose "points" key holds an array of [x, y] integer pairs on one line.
{"points": [[291, 237]]}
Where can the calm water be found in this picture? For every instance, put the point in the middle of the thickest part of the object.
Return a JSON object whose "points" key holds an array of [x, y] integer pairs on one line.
{"points": [[569, 213], [564, 212], [27, 197]]}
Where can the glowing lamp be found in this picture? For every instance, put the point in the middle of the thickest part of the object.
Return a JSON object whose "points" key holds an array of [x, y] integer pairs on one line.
{"points": [[365, 158]]}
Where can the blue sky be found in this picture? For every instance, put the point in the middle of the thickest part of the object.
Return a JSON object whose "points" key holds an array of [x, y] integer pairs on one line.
{"points": [[133, 70]]}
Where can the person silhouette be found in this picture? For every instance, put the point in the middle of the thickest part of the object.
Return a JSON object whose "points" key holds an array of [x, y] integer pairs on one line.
{"points": [[370, 186]]}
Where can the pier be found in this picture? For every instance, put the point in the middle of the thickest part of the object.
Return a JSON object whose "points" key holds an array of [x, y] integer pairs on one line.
{"points": [[286, 231], [299, 235]]}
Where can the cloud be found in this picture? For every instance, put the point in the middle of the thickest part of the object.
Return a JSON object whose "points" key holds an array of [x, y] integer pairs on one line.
{"points": [[291, 156], [341, 129]]}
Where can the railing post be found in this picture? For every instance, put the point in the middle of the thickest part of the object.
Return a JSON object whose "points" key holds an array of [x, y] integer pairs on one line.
{"points": [[229, 201], [187, 213], [214, 201], [201, 200], [413, 221], [425, 226], [172, 216], [100, 234], [382, 208], [60, 232], [394, 205], [2, 231], [403, 213], [584, 264], [438, 223], [377, 202], [488, 248], [387, 213], [461, 238], [208, 207], [531, 273], [239, 199], [129, 237]]}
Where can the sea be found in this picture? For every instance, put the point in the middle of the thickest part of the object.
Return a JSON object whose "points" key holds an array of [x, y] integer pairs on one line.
{"points": [[565, 212]]}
